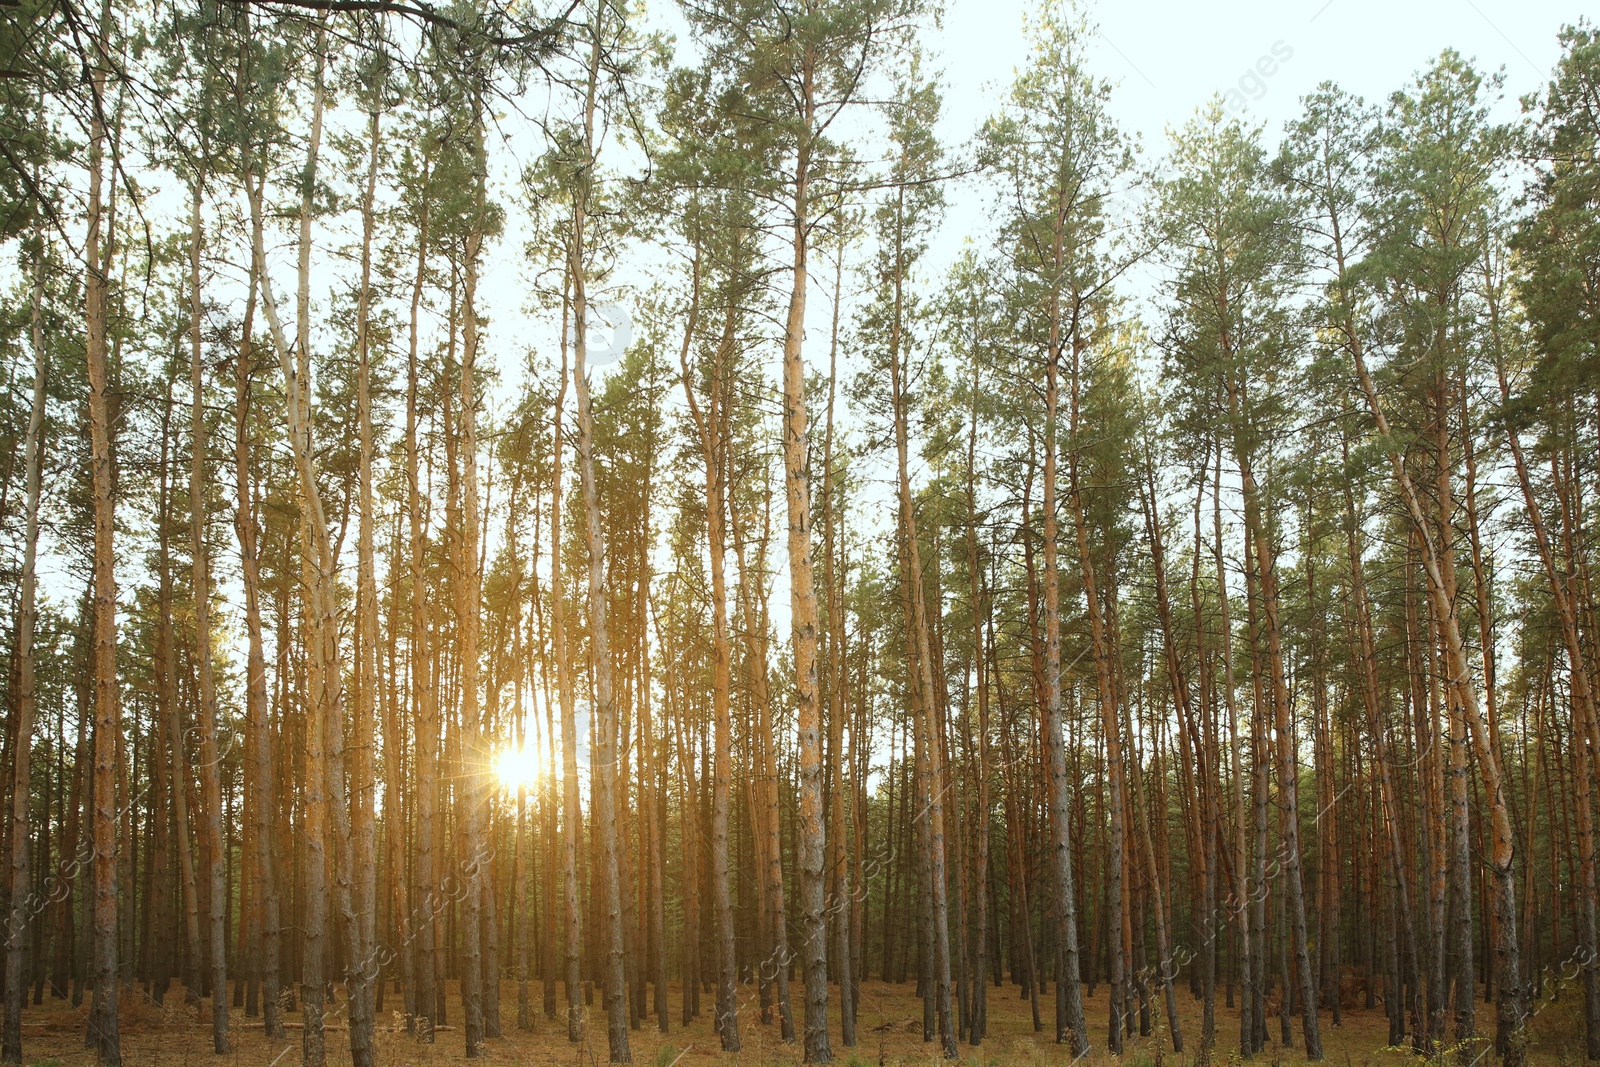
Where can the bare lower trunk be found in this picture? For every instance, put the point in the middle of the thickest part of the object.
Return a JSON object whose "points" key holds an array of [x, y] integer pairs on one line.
{"points": [[803, 611], [103, 1029], [1287, 764], [979, 1017], [258, 744], [22, 750], [324, 674], [930, 718], [210, 773], [424, 914], [605, 708], [572, 817], [363, 968]]}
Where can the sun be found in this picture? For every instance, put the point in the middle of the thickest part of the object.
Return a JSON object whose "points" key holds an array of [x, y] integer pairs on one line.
{"points": [[518, 766]]}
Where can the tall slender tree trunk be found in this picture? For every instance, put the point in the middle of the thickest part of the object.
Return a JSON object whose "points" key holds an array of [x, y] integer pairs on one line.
{"points": [[1069, 994], [210, 773], [1241, 904], [365, 970], [978, 1026], [1287, 764], [27, 695], [1116, 798], [572, 828], [765, 815], [262, 797], [803, 601], [1165, 970], [712, 421], [605, 756], [423, 691], [832, 584], [103, 1026], [929, 726], [469, 596], [323, 690]]}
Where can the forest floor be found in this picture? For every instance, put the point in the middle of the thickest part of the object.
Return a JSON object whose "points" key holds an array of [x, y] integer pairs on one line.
{"points": [[889, 1032]]}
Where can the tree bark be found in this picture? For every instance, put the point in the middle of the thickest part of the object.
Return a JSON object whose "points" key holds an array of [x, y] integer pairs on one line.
{"points": [[104, 1034], [423, 691], [929, 725], [210, 773], [27, 695], [604, 790], [1583, 715], [1287, 764], [1511, 1030], [262, 797], [323, 690], [365, 971], [803, 602]]}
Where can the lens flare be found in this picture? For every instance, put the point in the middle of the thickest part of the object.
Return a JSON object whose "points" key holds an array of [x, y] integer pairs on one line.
{"points": [[518, 766]]}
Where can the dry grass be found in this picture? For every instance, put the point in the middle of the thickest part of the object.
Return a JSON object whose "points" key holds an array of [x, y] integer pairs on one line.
{"points": [[889, 1032]]}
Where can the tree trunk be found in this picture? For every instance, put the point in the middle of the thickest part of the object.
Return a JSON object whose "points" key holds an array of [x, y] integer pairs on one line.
{"points": [[104, 1034], [803, 606], [1288, 772], [931, 711], [27, 696], [469, 598], [832, 584], [210, 773], [979, 1023], [572, 828], [604, 793], [318, 570], [364, 968], [261, 796], [424, 698]]}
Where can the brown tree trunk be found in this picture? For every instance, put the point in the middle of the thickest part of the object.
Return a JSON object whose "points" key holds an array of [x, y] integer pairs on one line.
{"points": [[1068, 992], [929, 726], [773, 972], [323, 689], [27, 697], [712, 423], [604, 790], [803, 605], [1510, 1036], [364, 968], [210, 773], [832, 585], [1287, 764], [979, 930], [469, 602], [261, 796], [104, 1034], [572, 827], [424, 710], [1111, 730]]}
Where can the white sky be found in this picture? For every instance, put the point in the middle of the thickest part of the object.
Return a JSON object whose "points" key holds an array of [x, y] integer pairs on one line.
{"points": [[1168, 57]]}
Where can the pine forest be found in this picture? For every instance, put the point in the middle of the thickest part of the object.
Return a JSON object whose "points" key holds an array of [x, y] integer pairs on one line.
{"points": [[531, 530]]}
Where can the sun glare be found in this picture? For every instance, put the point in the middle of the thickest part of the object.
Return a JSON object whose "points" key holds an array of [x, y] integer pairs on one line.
{"points": [[516, 766]]}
